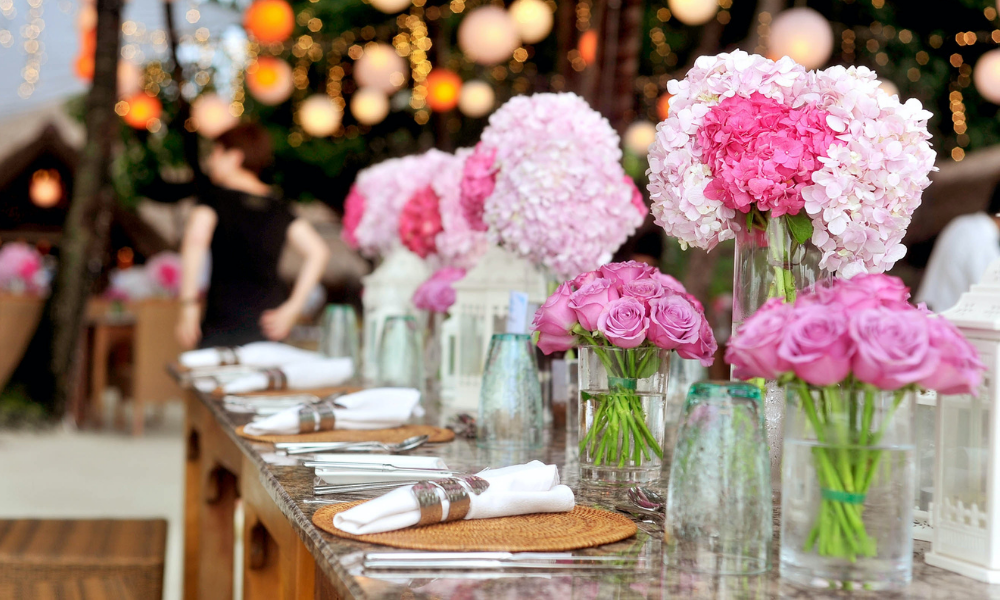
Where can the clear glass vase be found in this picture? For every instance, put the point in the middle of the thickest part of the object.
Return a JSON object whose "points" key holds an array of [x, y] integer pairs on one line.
{"points": [[769, 263], [847, 487], [622, 413]]}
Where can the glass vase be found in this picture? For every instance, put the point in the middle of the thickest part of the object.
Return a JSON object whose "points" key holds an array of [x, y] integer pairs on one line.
{"points": [[770, 263], [847, 487], [622, 413]]}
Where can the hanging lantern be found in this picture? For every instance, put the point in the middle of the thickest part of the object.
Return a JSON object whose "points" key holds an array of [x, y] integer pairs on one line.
{"points": [[129, 78], [269, 21], [369, 106], [83, 65], [986, 76], [533, 19], [390, 7], [211, 115], [319, 115], [46, 188], [639, 136], [803, 35], [476, 99], [888, 87], [663, 106], [488, 35], [693, 12], [587, 46], [141, 109], [270, 80], [443, 89], [380, 68]]}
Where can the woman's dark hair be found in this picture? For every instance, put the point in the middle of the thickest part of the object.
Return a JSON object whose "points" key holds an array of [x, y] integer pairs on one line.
{"points": [[253, 141]]}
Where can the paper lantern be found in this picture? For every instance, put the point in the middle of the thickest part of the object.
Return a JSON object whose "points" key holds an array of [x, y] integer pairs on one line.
{"points": [[476, 99], [443, 89], [391, 6], [46, 188], [693, 12], [211, 115], [533, 19], [83, 66], [320, 116], [663, 106], [129, 78], [269, 21], [369, 106], [986, 76], [380, 68], [803, 35], [889, 88], [639, 136], [488, 35], [142, 108], [587, 46], [270, 81]]}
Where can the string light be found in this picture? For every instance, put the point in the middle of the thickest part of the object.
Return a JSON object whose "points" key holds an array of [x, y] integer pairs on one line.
{"points": [[33, 48]]}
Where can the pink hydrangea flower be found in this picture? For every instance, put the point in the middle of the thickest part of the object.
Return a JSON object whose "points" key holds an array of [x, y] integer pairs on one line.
{"points": [[637, 200], [164, 271], [459, 244], [478, 181], [420, 222], [21, 269], [437, 294], [354, 208]]}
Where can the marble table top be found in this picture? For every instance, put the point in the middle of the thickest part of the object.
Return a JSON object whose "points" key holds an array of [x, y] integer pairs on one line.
{"points": [[290, 485]]}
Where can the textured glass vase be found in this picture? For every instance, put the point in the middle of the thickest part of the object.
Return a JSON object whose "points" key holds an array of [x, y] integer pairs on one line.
{"points": [[510, 397], [769, 264]]}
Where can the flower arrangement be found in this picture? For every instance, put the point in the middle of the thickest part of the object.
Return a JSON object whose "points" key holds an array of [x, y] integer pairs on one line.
{"points": [[22, 270], [164, 270], [420, 222], [749, 139], [543, 161], [459, 244], [633, 307], [159, 277], [841, 336], [437, 294]]}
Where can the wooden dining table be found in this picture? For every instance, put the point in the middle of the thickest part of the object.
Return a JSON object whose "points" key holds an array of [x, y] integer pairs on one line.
{"points": [[286, 557]]}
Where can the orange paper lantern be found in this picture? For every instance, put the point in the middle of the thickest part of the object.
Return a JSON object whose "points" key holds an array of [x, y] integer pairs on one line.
{"points": [[270, 80], [269, 21], [142, 108], [587, 46], [443, 89], [663, 106], [84, 66]]}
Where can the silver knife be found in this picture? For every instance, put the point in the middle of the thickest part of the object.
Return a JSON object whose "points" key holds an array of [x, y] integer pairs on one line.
{"points": [[494, 560], [379, 468]]}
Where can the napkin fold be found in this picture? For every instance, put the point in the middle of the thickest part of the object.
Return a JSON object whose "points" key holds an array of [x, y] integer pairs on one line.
{"points": [[327, 372], [256, 354], [516, 490], [375, 408]]}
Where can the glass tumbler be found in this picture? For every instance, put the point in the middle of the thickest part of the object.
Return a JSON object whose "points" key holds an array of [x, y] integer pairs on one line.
{"points": [[401, 353], [719, 511], [338, 336], [510, 399]]}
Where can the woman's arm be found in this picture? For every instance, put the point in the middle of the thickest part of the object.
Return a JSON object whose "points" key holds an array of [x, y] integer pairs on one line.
{"points": [[194, 250], [277, 323]]}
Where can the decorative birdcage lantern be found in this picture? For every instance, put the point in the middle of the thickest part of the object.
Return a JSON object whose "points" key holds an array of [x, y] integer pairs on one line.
{"points": [[966, 508], [482, 299], [388, 291]]}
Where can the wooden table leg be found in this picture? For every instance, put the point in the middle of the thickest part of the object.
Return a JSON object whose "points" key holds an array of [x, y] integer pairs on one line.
{"points": [[192, 501], [99, 373]]}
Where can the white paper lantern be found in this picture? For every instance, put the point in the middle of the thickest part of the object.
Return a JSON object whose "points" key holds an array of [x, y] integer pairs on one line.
{"points": [[888, 87], [488, 35], [533, 19], [476, 99], [380, 68], [693, 12], [803, 35], [129, 78], [319, 116], [639, 136], [369, 106], [211, 114], [391, 6], [986, 76]]}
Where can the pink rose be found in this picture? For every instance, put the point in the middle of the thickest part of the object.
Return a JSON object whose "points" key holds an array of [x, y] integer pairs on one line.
{"points": [[555, 316], [437, 294], [590, 300], [817, 345], [584, 278], [673, 321], [551, 342], [703, 349], [893, 347], [861, 292], [753, 350], [623, 322], [624, 272], [959, 369], [643, 290], [668, 282]]}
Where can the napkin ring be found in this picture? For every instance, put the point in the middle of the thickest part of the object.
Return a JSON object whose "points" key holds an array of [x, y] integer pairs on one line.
{"points": [[430, 503], [458, 498], [227, 356], [316, 417], [276, 379], [476, 484]]}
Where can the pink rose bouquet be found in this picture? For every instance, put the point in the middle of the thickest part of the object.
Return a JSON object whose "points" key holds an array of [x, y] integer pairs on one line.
{"points": [[835, 348], [627, 313], [22, 270], [437, 294]]}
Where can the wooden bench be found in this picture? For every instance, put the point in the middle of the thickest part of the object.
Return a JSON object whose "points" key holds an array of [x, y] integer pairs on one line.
{"points": [[82, 559]]}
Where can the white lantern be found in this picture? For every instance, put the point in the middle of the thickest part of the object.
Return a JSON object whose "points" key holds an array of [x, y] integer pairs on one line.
{"points": [[639, 136], [986, 76], [888, 87], [693, 12], [482, 299], [488, 35], [476, 99], [803, 35], [533, 19], [369, 106], [380, 68], [966, 512], [391, 6], [129, 78], [212, 115], [319, 115]]}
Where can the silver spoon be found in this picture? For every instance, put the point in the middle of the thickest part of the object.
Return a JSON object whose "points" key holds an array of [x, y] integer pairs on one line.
{"points": [[646, 499], [406, 445]]}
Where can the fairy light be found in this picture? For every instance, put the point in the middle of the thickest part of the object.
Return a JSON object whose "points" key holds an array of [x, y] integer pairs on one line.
{"points": [[763, 31], [33, 48], [847, 46], [723, 15], [418, 45]]}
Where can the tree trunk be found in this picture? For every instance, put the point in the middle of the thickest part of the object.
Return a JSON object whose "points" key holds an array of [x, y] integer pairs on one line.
{"points": [[45, 372]]}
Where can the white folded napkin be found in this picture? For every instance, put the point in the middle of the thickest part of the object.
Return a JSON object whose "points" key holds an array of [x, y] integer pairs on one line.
{"points": [[375, 408], [340, 476], [299, 376], [516, 490], [256, 354]]}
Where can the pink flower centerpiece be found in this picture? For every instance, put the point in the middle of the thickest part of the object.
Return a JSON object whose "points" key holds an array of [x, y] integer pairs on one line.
{"points": [[164, 271], [22, 270], [437, 294]]}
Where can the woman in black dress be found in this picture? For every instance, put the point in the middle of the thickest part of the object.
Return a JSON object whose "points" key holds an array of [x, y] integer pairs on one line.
{"points": [[246, 227]]}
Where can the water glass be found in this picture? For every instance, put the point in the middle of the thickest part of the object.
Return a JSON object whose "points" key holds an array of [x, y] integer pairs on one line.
{"points": [[510, 399], [719, 511], [338, 334], [401, 353]]}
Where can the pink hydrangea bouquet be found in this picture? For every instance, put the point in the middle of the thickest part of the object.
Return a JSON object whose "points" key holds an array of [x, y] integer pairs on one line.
{"points": [[750, 140], [22, 270], [626, 313], [543, 161], [164, 271], [437, 295], [837, 348]]}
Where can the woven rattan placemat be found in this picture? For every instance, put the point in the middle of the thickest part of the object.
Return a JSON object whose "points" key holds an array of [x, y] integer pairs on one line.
{"points": [[387, 436], [581, 527]]}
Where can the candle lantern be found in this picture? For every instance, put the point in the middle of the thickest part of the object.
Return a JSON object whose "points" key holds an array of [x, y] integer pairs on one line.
{"points": [[966, 507]]}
